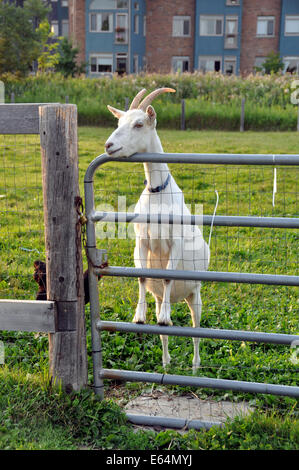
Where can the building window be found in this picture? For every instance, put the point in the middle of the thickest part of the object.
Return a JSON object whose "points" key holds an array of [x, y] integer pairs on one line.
{"points": [[291, 65], [144, 26], [209, 64], [230, 65], [101, 22], [121, 29], [55, 28], [64, 3], [121, 63], [121, 3], [233, 2], [231, 32], [258, 64], [136, 24], [291, 26], [181, 64], [211, 25], [65, 28], [265, 26], [181, 26], [101, 63], [108, 4]]}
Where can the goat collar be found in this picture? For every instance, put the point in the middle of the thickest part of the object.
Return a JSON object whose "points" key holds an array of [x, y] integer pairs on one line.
{"points": [[160, 188]]}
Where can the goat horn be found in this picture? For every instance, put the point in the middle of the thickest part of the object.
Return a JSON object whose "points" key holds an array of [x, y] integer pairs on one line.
{"points": [[137, 99], [147, 101]]}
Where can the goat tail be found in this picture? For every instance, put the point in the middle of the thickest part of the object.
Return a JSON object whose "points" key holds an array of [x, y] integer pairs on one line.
{"points": [[212, 223]]}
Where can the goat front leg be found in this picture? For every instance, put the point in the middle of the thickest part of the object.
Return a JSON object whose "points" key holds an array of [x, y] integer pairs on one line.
{"points": [[195, 305], [140, 257], [164, 339], [174, 257]]}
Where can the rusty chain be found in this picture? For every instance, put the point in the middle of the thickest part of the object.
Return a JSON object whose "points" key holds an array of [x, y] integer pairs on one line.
{"points": [[81, 232], [81, 221]]}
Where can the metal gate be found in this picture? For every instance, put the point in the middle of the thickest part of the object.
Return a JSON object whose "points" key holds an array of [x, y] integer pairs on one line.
{"points": [[96, 261]]}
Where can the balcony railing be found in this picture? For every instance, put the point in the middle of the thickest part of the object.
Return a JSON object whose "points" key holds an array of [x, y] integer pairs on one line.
{"points": [[121, 35]]}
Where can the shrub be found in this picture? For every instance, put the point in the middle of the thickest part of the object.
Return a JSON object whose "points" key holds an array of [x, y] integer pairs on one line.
{"points": [[213, 101]]}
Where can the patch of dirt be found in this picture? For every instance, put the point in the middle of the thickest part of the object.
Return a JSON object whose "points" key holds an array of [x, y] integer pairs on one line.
{"points": [[187, 407]]}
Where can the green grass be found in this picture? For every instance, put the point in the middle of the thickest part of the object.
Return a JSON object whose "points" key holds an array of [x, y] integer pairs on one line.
{"points": [[30, 407], [36, 416]]}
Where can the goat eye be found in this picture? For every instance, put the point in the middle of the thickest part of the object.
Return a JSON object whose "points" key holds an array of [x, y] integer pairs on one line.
{"points": [[138, 125]]}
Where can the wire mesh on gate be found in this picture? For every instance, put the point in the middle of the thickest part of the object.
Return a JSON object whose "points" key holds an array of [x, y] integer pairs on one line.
{"points": [[245, 191]]}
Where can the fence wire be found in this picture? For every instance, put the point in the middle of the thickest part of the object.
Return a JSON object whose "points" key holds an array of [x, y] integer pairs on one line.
{"points": [[21, 239], [242, 191]]}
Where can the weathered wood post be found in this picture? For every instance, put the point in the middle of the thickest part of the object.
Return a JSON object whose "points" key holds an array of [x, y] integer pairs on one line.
{"points": [[67, 346]]}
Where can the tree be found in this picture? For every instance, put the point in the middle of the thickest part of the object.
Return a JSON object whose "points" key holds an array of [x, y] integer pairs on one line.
{"points": [[49, 56], [273, 63], [20, 38], [67, 63]]}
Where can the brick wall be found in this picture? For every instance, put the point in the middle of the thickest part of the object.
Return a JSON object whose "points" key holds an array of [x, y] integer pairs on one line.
{"points": [[251, 45], [77, 27], [161, 46]]}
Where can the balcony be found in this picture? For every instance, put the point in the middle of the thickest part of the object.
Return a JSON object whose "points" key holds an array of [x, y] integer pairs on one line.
{"points": [[231, 41], [121, 35]]}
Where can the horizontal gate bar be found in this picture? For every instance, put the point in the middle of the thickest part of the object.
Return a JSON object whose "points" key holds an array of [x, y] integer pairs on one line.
{"points": [[219, 220], [207, 158], [213, 276], [175, 423], [200, 382], [236, 335]]}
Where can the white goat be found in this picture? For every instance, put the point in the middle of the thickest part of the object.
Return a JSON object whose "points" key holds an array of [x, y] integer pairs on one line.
{"points": [[160, 247]]}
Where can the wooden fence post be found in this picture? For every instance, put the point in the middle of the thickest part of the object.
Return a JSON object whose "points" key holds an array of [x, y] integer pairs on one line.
{"points": [[67, 346]]}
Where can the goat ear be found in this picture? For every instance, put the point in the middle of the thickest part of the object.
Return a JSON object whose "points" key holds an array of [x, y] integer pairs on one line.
{"points": [[151, 113], [116, 112]]}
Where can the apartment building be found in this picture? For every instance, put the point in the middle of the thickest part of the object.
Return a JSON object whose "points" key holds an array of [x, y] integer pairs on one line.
{"points": [[218, 31], [59, 18], [110, 34], [229, 36]]}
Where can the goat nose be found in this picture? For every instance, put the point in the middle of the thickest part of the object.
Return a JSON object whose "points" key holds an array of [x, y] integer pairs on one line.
{"points": [[108, 145]]}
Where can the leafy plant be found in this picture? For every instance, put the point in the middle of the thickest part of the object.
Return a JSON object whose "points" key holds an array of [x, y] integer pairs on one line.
{"points": [[67, 61], [49, 56], [273, 63], [19, 36]]}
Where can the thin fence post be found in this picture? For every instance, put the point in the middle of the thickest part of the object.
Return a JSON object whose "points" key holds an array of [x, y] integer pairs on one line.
{"points": [[67, 99], [183, 121], [67, 346], [12, 97], [242, 121]]}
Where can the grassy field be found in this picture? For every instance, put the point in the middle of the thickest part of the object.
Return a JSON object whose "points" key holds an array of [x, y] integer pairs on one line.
{"points": [[242, 191]]}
